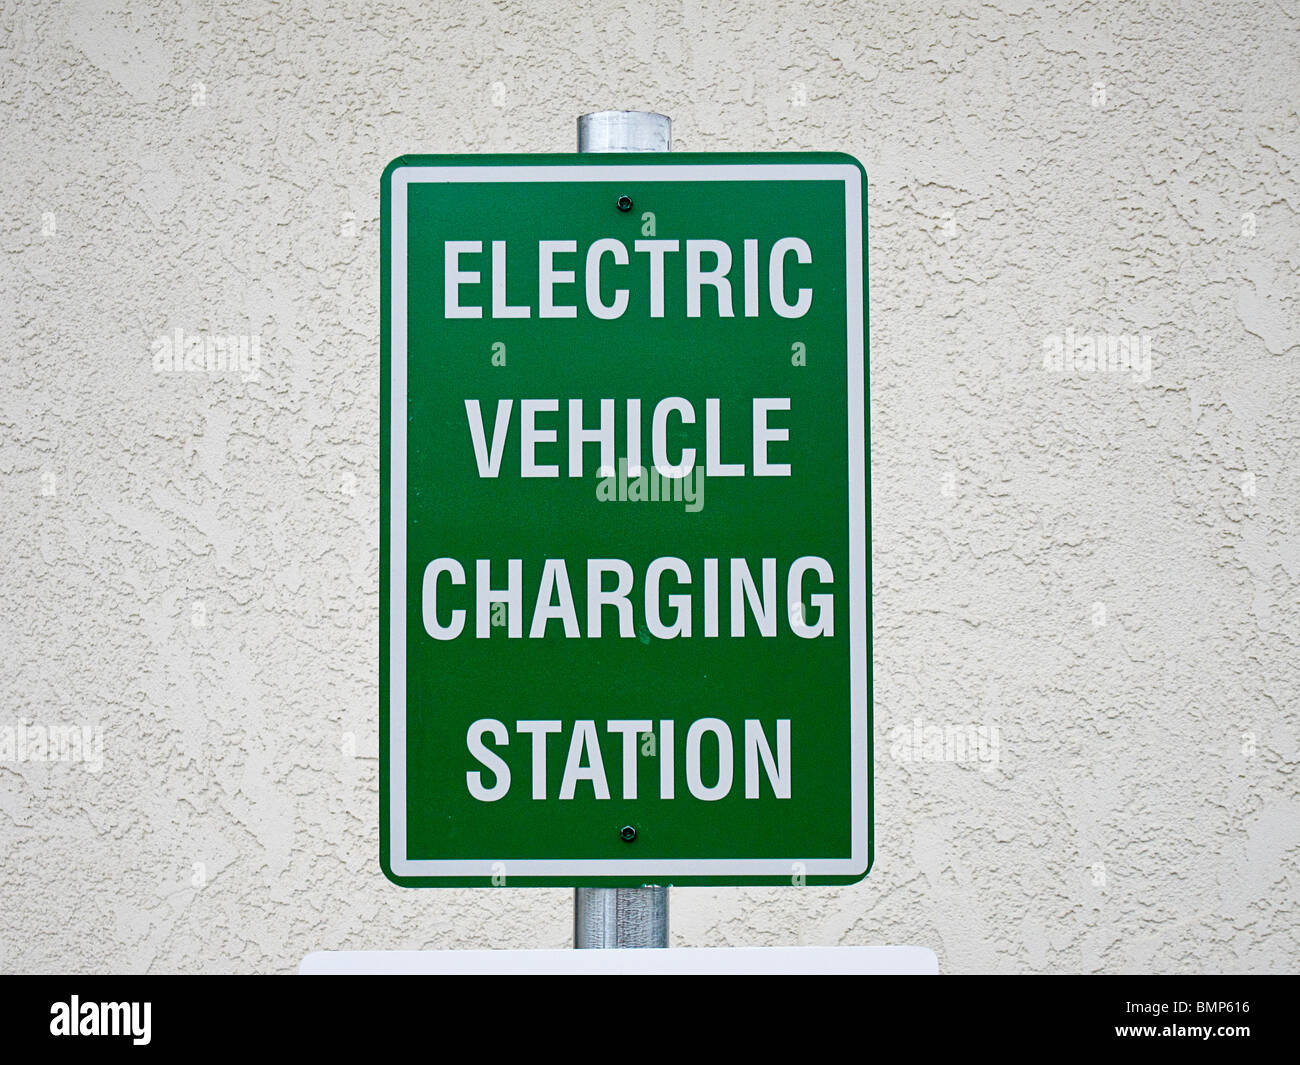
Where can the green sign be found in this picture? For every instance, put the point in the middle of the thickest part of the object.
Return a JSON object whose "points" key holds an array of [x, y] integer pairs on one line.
{"points": [[625, 631]]}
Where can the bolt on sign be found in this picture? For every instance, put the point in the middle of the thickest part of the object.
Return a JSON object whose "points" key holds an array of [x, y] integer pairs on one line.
{"points": [[625, 631]]}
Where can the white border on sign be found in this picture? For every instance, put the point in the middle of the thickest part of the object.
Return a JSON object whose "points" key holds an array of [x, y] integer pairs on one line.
{"points": [[658, 868]]}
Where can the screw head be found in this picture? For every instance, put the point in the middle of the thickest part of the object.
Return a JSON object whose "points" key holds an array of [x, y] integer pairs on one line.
{"points": [[627, 834], [624, 203]]}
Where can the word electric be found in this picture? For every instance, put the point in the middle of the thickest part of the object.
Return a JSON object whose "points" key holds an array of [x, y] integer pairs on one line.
{"points": [[610, 274]]}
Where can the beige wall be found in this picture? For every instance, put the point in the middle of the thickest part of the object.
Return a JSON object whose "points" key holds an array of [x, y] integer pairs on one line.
{"points": [[1102, 567]]}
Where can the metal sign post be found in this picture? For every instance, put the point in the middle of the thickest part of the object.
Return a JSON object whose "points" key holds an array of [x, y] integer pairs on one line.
{"points": [[622, 917]]}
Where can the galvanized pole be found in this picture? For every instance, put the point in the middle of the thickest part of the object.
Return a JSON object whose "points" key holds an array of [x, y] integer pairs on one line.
{"points": [[624, 131], [622, 917]]}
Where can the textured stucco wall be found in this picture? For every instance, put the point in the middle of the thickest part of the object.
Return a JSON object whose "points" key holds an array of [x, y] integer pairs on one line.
{"points": [[1103, 567]]}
